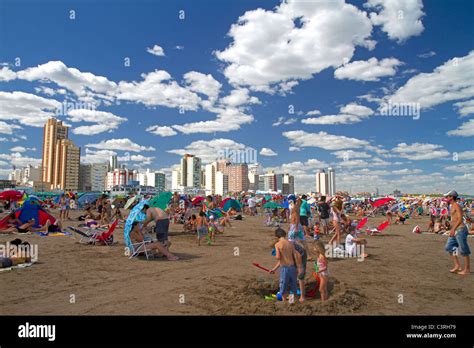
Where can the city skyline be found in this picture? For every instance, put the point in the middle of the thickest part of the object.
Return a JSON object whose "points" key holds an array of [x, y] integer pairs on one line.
{"points": [[365, 87]]}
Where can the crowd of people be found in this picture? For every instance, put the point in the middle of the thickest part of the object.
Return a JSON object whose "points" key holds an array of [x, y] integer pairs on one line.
{"points": [[314, 225]]}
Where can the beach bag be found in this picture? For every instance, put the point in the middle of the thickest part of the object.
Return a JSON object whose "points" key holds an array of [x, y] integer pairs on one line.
{"points": [[416, 229]]}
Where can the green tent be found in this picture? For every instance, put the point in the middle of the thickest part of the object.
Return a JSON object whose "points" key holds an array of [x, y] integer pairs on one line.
{"points": [[161, 201], [271, 205]]}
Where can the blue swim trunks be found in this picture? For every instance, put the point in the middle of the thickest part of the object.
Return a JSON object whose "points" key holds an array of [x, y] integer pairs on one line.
{"points": [[288, 279], [459, 242]]}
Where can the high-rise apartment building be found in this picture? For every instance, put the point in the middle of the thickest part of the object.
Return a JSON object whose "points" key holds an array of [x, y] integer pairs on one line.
{"points": [[288, 185], [331, 181], [54, 131], [322, 183], [67, 159], [222, 183], [238, 176], [210, 184]]}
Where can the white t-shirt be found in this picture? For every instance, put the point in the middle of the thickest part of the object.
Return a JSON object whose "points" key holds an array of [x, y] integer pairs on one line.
{"points": [[251, 202], [350, 245]]}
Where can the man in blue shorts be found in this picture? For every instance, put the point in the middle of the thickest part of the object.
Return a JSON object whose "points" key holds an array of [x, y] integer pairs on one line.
{"points": [[457, 241]]}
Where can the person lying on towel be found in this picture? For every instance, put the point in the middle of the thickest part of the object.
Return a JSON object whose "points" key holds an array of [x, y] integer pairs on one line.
{"points": [[16, 258]]}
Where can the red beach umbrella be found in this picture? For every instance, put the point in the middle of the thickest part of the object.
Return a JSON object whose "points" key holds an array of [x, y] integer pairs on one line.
{"points": [[11, 195]]}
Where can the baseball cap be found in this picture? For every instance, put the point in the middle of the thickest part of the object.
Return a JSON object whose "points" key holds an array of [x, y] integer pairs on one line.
{"points": [[451, 193]]}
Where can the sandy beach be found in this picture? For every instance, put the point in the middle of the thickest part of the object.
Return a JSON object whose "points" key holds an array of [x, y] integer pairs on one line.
{"points": [[221, 280]]}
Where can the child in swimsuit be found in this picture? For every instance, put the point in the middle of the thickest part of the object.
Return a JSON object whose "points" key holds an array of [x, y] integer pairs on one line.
{"points": [[323, 272]]}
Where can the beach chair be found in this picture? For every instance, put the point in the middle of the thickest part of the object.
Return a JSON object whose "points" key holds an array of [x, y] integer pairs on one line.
{"points": [[137, 249], [380, 228], [98, 235]]}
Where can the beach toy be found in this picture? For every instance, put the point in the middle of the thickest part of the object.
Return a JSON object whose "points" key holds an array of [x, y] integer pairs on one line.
{"points": [[274, 252], [274, 296], [269, 298], [279, 297], [261, 267]]}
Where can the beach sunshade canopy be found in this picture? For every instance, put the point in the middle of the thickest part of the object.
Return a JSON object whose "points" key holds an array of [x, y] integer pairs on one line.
{"points": [[271, 205], [229, 203], [11, 195], [224, 201], [382, 201], [161, 201], [198, 200], [136, 214], [28, 211], [130, 202], [87, 198]]}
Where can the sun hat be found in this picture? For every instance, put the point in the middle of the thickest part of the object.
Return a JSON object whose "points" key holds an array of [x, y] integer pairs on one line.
{"points": [[451, 193]]}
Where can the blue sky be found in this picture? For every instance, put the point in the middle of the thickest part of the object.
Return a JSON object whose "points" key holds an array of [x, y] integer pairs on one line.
{"points": [[341, 60]]}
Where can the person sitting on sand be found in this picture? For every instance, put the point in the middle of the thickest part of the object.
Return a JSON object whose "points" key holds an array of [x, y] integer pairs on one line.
{"points": [[351, 243], [400, 218], [438, 226], [289, 260], [23, 228], [190, 225], [322, 267], [136, 236]]}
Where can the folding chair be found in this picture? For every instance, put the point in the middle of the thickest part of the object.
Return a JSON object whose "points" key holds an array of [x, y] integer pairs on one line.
{"points": [[98, 235], [379, 228], [139, 248]]}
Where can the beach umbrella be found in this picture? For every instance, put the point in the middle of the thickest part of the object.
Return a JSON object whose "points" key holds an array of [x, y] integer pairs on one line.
{"points": [[396, 207], [230, 203], [382, 201], [161, 201], [130, 202], [87, 198], [198, 200], [271, 205], [362, 223], [11, 195], [224, 201], [136, 214]]}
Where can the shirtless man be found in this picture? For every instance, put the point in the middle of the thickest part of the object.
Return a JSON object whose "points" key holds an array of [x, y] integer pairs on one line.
{"points": [[457, 241], [162, 223]]}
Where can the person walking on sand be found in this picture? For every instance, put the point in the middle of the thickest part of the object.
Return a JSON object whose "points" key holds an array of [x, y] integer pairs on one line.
{"points": [[457, 241]]}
